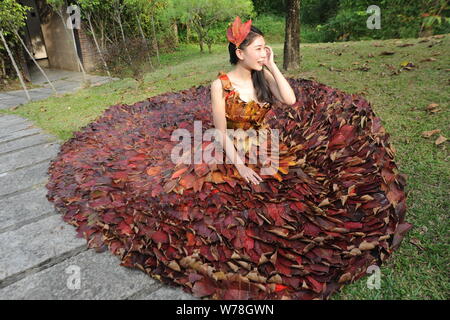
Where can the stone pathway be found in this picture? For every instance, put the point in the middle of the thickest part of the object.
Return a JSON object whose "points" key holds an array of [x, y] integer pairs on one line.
{"points": [[63, 81], [41, 257]]}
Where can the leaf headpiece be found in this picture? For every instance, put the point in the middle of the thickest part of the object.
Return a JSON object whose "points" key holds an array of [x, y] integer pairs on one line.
{"points": [[238, 31]]}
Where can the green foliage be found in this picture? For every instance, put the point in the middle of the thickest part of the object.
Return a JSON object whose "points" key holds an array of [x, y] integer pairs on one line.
{"points": [[272, 26], [276, 7], [209, 18], [314, 12], [12, 16], [399, 19]]}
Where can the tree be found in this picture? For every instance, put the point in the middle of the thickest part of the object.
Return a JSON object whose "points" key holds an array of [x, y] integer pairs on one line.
{"points": [[203, 15], [118, 8], [291, 58], [139, 7], [89, 9], [12, 18]]}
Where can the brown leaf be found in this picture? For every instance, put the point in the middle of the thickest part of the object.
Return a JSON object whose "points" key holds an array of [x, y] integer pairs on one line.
{"points": [[345, 277], [427, 134], [440, 139], [428, 60]]}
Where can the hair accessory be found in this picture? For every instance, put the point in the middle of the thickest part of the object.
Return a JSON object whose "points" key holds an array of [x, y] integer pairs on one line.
{"points": [[238, 31]]}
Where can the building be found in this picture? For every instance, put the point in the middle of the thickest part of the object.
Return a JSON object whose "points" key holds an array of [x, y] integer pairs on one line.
{"points": [[51, 44]]}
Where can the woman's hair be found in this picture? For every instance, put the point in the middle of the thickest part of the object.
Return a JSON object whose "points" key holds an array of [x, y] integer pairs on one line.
{"points": [[262, 88]]}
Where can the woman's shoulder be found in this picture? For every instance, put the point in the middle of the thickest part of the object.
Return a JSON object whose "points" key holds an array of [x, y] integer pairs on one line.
{"points": [[222, 81]]}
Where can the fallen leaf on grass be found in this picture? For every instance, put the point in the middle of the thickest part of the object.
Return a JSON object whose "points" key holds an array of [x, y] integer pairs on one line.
{"points": [[417, 243], [334, 69], [407, 65], [387, 53], [428, 59], [440, 140], [433, 108], [405, 45], [427, 134], [364, 67]]}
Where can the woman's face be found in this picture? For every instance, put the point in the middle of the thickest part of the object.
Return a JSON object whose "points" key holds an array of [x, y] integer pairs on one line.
{"points": [[254, 55]]}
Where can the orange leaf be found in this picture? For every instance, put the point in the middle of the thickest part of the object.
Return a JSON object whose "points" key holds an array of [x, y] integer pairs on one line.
{"points": [[279, 287], [153, 171], [179, 173]]}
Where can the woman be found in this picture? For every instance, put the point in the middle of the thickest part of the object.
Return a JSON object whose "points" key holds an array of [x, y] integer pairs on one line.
{"points": [[251, 82]]}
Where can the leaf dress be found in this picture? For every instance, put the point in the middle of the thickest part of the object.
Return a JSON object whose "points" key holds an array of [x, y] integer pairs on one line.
{"points": [[335, 206]]}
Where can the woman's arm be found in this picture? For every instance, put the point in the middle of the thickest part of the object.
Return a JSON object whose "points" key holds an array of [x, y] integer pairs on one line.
{"points": [[220, 122], [278, 84]]}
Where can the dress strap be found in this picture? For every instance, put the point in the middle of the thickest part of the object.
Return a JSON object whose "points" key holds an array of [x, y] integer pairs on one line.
{"points": [[226, 83]]}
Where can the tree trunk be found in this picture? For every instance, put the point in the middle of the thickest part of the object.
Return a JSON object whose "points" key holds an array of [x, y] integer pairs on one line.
{"points": [[119, 20], [175, 33], [35, 62], [155, 41], [200, 42], [98, 47], [291, 59], [145, 41], [15, 65], [188, 32]]}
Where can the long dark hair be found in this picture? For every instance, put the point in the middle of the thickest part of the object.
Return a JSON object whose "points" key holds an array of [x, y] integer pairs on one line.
{"points": [[262, 88]]}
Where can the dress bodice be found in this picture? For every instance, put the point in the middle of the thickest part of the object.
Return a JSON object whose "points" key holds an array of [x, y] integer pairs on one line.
{"points": [[239, 113]]}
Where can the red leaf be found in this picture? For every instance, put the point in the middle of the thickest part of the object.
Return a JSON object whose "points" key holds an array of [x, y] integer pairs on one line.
{"points": [[125, 228], [316, 285], [191, 238], [279, 287], [203, 288], [160, 237], [353, 225]]}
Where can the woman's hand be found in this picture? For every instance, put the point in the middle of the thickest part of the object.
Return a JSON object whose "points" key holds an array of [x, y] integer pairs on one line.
{"points": [[269, 57], [248, 174]]}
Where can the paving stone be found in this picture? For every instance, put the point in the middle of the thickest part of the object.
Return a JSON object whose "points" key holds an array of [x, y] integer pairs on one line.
{"points": [[13, 181], [100, 277], [18, 134], [36, 243], [25, 142], [24, 207], [169, 293], [8, 120], [7, 102], [15, 127], [28, 156]]}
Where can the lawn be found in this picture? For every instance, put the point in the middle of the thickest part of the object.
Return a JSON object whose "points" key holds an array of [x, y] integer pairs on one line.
{"points": [[419, 269]]}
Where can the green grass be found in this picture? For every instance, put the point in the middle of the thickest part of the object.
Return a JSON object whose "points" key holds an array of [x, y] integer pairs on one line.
{"points": [[400, 100]]}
